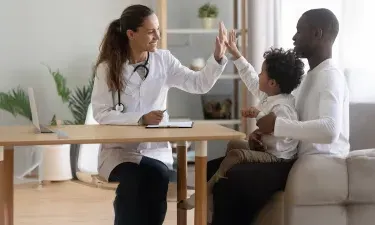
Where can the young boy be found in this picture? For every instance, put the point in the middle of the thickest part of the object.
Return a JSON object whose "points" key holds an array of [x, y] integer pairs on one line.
{"points": [[281, 74]]}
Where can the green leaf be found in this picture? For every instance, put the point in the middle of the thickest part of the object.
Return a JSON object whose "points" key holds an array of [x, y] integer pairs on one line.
{"points": [[53, 121], [68, 122], [16, 102], [79, 102], [60, 82]]}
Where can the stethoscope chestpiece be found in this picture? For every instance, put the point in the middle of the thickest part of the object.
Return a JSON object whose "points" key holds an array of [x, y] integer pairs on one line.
{"points": [[120, 107]]}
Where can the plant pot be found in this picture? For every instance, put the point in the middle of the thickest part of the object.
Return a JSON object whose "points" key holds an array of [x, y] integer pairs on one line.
{"points": [[56, 163], [207, 22]]}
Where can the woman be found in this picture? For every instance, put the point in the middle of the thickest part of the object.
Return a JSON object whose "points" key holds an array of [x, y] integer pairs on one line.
{"points": [[131, 86]]}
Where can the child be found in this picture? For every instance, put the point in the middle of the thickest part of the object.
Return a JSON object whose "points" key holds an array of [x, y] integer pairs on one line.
{"points": [[281, 74]]}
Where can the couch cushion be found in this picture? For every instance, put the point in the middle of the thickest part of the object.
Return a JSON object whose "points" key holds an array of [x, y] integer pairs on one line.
{"points": [[317, 180], [361, 169], [361, 214], [317, 215]]}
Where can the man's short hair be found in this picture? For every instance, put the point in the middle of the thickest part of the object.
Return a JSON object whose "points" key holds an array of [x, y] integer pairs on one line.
{"points": [[324, 19]]}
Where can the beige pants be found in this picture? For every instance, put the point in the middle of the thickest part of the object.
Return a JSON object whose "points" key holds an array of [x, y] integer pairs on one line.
{"points": [[235, 155], [238, 151]]}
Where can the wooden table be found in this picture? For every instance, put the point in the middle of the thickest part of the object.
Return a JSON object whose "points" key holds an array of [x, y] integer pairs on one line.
{"points": [[89, 134]]}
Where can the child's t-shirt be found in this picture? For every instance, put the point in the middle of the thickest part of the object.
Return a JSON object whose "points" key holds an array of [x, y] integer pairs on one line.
{"points": [[283, 105]]}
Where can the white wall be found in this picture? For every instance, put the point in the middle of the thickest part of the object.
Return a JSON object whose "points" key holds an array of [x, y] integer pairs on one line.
{"points": [[62, 34]]}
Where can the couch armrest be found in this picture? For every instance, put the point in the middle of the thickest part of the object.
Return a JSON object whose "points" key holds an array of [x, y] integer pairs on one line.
{"points": [[361, 169], [317, 180]]}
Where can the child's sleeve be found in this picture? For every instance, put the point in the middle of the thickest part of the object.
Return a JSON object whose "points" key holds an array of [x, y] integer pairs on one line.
{"points": [[249, 76]]}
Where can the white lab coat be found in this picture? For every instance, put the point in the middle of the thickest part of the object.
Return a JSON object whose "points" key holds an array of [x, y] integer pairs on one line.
{"points": [[142, 96]]}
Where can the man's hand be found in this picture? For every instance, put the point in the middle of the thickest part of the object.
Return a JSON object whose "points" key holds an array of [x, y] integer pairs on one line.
{"points": [[251, 112], [220, 47], [255, 141], [152, 118], [232, 45], [266, 124]]}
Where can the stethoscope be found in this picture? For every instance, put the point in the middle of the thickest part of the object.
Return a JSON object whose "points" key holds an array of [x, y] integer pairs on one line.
{"points": [[119, 106]]}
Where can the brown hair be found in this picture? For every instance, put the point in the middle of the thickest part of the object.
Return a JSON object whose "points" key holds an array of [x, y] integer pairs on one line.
{"points": [[114, 49]]}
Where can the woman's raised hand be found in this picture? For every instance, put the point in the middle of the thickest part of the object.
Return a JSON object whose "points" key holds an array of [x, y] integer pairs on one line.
{"points": [[221, 40]]}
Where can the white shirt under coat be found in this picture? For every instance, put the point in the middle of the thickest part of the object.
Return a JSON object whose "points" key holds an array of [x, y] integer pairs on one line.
{"points": [[283, 105], [322, 102], [143, 96]]}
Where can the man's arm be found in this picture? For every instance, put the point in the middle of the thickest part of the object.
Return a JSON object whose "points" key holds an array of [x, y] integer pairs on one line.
{"points": [[325, 129]]}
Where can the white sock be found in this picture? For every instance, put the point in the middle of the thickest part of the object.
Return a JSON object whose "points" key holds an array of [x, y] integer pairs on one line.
{"points": [[189, 203]]}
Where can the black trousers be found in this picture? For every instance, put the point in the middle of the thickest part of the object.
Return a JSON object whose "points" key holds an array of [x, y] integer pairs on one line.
{"points": [[248, 187], [141, 196]]}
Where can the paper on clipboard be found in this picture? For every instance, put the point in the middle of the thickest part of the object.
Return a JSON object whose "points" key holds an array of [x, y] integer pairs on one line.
{"points": [[182, 124]]}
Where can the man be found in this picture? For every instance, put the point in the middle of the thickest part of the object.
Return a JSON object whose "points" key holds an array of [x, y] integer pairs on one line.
{"points": [[322, 104], [322, 99]]}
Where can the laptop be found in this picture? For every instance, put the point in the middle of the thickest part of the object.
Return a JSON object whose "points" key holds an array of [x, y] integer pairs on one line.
{"points": [[34, 114]]}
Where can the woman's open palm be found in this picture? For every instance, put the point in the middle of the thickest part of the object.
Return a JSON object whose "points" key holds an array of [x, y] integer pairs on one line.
{"points": [[221, 39]]}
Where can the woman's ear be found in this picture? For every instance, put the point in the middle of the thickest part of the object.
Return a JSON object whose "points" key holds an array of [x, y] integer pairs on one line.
{"points": [[130, 34]]}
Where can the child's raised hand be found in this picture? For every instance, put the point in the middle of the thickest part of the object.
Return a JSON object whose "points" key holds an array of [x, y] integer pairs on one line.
{"points": [[231, 45], [251, 112]]}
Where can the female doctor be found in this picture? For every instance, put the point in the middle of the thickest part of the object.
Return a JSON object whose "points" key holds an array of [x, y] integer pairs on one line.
{"points": [[130, 88]]}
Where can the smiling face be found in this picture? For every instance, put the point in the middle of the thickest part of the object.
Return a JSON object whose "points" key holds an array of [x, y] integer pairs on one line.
{"points": [[304, 43], [146, 37]]}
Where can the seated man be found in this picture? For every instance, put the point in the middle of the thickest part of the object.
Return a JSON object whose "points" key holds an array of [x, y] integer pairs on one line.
{"points": [[323, 107]]}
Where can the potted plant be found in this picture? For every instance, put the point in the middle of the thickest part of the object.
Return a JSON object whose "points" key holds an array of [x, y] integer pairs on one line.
{"points": [[208, 13], [16, 102]]}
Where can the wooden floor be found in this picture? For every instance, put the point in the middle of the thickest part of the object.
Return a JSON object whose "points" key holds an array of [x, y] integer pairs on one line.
{"points": [[71, 203]]}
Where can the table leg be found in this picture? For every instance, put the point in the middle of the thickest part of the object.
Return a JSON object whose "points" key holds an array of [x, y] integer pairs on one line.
{"points": [[181, 181], [2, 182], [200, 183], [6, 187]]}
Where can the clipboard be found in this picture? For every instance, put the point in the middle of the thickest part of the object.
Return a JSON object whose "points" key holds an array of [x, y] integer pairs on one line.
{"points": [[184, 124]]}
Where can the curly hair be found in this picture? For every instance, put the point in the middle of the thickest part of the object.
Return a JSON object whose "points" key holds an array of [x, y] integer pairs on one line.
{"points": [[285, 68]]}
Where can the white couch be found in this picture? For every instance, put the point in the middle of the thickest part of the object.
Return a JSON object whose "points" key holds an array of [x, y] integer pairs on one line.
{"points": [[326, 191]]}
